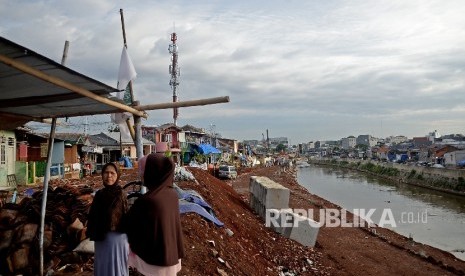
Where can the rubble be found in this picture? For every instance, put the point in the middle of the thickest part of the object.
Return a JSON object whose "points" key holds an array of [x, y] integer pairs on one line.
{"points": [[65, 217]]}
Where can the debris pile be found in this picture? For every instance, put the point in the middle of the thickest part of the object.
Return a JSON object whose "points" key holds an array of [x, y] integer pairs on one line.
{"points": [[183, 174], [67, 208]]}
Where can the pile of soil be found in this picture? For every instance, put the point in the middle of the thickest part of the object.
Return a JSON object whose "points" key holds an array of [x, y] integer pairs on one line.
{"points": [[359, 250], [250, 248]]}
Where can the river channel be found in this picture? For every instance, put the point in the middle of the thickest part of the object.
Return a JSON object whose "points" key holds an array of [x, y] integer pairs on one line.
{"points": [[427, 216]]}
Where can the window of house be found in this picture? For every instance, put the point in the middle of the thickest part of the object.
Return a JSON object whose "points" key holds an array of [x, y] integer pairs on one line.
{"points": [[167, 137], [43, 149]]}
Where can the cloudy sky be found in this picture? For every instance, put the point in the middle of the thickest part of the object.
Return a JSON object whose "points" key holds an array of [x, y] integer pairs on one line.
{"points": [[308, 70]]}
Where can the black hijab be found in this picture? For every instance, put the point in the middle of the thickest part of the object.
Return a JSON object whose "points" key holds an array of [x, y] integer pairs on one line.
{"points": [[153, 224], [107, 209], [159, 172]]}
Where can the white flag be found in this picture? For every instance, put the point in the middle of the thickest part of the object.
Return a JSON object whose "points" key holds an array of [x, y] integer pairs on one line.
{"points": [[126, 73]]}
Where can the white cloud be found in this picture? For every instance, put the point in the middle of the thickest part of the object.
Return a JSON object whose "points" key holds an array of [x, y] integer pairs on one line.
{"points": [[306, 70]]}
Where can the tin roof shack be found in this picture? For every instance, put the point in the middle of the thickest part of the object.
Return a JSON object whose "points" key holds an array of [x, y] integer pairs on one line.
{"points": [[72, 152], [73, 146], [195, 135], [35, 88], [104, 149], [129, 148], [32, 157], [112, 144]]}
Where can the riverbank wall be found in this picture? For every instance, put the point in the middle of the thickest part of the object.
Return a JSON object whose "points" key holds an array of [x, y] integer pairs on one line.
{"points": [[446, 180]]}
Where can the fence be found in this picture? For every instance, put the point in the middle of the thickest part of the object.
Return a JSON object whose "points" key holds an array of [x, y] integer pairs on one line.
{"points": [[33, 172]]}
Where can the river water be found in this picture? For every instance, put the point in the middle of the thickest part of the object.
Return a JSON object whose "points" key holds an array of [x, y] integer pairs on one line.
{"points": [[427, 216]]}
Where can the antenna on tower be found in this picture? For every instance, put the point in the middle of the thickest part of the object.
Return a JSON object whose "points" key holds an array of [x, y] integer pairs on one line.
{"points": [[174, 72]]}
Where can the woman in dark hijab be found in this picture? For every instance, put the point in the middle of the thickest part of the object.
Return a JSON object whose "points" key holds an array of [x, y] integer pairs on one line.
{"points": [[105, 228], [153, 224]]}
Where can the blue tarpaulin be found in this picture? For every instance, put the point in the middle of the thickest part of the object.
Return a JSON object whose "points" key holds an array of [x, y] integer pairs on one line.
{"points": [[191, 201], [126, 161], [207, 149], [188, 207], [461, 163]]}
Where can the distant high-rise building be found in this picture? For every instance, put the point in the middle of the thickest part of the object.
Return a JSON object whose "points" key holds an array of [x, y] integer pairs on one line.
{"points": [[367, 140], [433, 136], [274, 142]]}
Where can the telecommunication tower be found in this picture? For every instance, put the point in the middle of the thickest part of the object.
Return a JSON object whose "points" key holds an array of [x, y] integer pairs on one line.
{"points": [[175, 73]]}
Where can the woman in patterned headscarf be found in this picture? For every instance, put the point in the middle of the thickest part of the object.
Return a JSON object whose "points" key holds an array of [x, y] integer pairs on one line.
{"points": [[153, 224], [105, 228]]}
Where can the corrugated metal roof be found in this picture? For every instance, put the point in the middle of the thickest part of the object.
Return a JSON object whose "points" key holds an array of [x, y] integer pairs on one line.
{"points": [[24, 97], [103, 140], [126, 141]]}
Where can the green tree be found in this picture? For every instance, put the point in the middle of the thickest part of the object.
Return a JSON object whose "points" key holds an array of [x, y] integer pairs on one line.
{"points": [[361, 147], [280, 148]]}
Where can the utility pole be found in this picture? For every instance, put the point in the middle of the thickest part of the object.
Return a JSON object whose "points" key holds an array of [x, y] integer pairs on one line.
{"points": [[174, 72], [267, 140]]}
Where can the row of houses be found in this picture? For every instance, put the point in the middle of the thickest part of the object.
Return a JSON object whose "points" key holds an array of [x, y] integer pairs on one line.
{"points": [[446, 155], [448, 150], [23, 153]]}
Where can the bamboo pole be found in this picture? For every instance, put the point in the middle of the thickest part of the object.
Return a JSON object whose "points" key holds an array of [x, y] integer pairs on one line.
{"points": [[44, 194], [59, 82], [207, 101], [136, 133], [65, 53], [47, 176]]}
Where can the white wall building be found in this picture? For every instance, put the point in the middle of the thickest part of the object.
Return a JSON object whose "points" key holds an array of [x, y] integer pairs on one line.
{"points": [[451, 158], [349, 142], [398, 139]]}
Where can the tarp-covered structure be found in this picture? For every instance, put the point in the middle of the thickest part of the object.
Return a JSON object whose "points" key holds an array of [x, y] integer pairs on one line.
{"points": [[33, 88], [206, 149]]}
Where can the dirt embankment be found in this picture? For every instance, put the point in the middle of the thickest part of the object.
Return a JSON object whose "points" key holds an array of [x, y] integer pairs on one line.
{"points": [[360, 250], [244, 246]]}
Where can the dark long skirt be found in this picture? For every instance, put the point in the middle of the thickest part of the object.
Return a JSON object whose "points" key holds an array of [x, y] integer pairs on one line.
{"points": [[111, 255]]}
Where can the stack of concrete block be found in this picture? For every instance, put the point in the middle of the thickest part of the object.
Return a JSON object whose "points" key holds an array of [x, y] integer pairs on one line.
{"points": [[267, 194], [294, 226], [270, 201]]}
